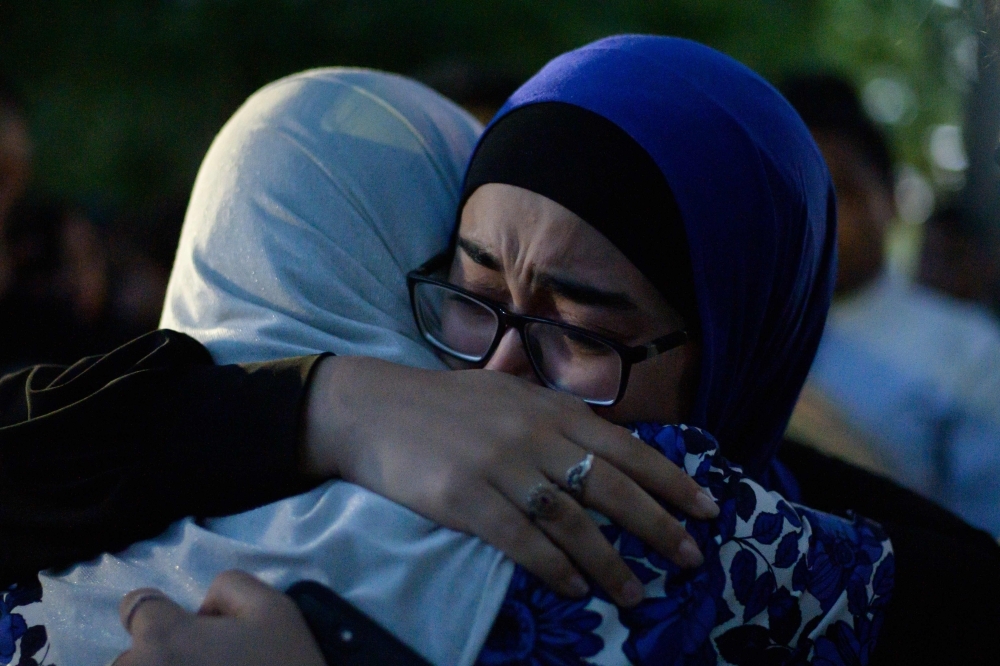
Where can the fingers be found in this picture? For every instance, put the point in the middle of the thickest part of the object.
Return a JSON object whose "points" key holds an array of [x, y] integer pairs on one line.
{"points": [[506, 527], [147, 612], [250, 624], [238, 594], [570, 528], [648, 467], [561, 525], [622, 500]]}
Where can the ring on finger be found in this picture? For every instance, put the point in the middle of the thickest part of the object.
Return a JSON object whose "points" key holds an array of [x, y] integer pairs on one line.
{"points": [[577, 475], [543, 502], [140, 600]]}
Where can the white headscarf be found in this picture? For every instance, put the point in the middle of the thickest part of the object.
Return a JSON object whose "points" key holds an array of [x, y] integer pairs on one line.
{"points": [[313, 202]]}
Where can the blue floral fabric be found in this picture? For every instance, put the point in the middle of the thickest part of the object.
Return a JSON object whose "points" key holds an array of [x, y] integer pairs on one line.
{"points": [[28, 644], [781, 584]]}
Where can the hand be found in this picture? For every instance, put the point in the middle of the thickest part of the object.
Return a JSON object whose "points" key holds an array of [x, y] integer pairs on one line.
{"points": [[242, 622], [466, 449]]}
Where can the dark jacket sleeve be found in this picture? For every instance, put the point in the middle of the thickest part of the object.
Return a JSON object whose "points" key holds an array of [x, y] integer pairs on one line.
{"points": [[111, 450]]}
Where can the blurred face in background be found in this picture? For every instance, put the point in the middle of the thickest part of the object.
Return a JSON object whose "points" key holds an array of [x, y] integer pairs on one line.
{"points": [[15, 168], [15, 159], [865, 208]]}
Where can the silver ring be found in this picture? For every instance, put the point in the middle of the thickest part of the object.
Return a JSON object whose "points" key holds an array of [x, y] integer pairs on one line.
{"points": [[543, 502], [577, 474]]}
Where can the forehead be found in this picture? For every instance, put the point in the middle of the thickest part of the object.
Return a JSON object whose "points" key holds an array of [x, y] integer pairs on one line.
{"points": [[526, 230]]}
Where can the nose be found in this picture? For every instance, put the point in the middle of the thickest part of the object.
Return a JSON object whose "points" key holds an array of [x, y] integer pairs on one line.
{"points": [[510, 357]]}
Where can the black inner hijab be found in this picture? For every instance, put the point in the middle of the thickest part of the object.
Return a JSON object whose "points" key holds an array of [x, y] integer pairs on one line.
{"points": [[592, 167]]}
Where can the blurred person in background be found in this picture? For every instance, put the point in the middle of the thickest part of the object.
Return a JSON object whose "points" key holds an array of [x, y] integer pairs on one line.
{"points": [[50, 258], [15, 168], [959, 259], [141, 251], [52, 276], [15, 150], [70, 287], [479, 90], [915, 370]]}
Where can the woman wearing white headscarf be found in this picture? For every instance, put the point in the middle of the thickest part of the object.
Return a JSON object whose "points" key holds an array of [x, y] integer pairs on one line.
{"points": [[311, 206]]}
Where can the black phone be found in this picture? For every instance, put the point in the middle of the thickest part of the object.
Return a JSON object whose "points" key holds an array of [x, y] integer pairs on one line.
{"points": [[346, 636]]}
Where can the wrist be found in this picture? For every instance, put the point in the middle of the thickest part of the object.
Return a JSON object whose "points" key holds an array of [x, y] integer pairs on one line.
{"points": [[320, 456], [346, 396]]}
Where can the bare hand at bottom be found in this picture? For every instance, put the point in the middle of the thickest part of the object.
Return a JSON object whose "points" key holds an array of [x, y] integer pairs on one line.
{"points": [[242, 622]]}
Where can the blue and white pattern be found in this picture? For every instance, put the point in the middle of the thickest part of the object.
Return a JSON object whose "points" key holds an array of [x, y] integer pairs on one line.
{"points": [[781, 584], [27, 644]]}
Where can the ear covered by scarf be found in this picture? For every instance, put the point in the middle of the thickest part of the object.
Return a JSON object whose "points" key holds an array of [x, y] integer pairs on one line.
{"points": [[757, 207]]}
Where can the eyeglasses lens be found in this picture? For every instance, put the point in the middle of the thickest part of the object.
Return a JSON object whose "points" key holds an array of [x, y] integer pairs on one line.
{"points": [[455, 323], [575, 363], [566, 360]]}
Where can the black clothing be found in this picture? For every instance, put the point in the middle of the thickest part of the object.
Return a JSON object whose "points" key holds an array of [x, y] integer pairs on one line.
{"points": [[114, 448], [591, 166], [945, 606], [346, 636]]}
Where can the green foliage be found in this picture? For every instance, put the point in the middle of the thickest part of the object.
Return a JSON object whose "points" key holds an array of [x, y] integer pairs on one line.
{"points": [[124, 96]]}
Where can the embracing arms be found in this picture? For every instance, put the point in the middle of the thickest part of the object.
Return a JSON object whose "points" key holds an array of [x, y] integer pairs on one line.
{"points": [[113, 449]]}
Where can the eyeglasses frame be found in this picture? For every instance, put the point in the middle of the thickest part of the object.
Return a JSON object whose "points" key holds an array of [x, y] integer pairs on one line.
{"points": [[507, 320]]}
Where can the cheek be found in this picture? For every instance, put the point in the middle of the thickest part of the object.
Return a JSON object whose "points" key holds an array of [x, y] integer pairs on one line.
{"points": [[660, 389]]}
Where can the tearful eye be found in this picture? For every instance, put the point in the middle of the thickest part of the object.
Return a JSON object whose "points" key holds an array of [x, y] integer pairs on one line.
{"points": [[454, 323], [584, 344]]}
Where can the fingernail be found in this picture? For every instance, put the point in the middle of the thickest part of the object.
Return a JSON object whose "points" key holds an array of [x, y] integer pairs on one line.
{"points": [[705, 505], [632, 593], [578, 587], [688, 554]]}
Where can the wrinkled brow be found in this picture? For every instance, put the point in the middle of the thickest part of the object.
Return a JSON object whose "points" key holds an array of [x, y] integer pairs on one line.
{"points": [[585, 294], [573, 290]]}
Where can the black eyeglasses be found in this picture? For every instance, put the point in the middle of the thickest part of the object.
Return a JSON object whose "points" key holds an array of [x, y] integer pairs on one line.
{"points": [[566, 358]]}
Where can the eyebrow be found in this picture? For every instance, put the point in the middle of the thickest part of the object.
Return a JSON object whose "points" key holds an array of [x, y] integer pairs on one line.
{"points": [[585, 294], [479, 254], [578, 292]]}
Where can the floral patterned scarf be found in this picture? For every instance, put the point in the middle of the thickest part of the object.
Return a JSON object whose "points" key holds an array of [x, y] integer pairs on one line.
{"points": [[781, 584]]}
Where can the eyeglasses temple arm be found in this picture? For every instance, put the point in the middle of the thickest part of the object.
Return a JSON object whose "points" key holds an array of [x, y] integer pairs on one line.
{"points": [[666, 343]]}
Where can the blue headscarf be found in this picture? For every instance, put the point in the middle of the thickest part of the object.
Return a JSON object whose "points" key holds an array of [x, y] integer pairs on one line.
{"points": [[758, 209]]}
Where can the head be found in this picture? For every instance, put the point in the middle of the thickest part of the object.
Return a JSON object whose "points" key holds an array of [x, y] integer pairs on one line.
{"points": [[709, 211], [858, 156], [57, 256], [479, 90], [15, 151], [541, 232], [524, 250], [310, 207], [959, 256]]}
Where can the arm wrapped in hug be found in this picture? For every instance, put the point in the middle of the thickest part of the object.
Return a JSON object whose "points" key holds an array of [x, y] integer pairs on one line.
{"points": [[111, 450]]}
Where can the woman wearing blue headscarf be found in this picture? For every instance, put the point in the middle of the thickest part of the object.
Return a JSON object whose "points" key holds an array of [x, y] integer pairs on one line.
{"points": [[706, 180], [648, 225]]}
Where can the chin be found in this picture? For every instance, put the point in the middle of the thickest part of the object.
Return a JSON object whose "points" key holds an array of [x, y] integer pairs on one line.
{"points": [[624, 414]]}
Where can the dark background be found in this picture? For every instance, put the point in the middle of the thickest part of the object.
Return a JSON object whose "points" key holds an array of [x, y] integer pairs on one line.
{"points": [[123, 97]]}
